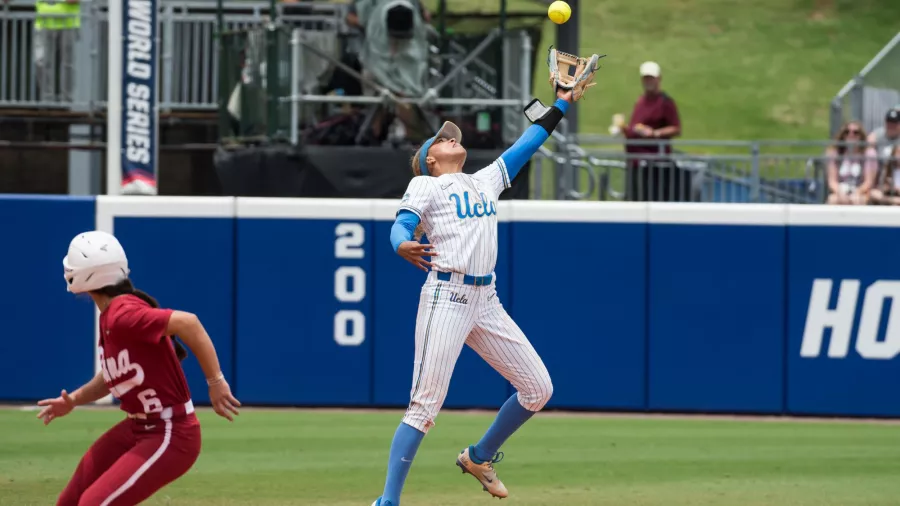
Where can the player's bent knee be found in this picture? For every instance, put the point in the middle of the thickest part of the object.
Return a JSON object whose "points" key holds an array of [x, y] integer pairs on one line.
{"points": [[546, 393], [537, 396]]}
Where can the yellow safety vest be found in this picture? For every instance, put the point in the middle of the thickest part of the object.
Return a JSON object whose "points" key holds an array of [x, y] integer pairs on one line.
{"points": [[64, 15]]}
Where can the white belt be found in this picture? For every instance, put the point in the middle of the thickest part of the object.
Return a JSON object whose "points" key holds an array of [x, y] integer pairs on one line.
{"points": [[167, 413]]}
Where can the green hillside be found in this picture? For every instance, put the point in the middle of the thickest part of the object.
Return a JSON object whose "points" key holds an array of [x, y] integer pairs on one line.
{"points": [[761, 69]]}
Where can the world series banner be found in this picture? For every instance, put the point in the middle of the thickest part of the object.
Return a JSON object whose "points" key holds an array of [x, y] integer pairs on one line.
{"points": [[140, 94]]}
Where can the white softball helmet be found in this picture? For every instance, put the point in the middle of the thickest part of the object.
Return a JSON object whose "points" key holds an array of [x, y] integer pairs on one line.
{"points": [[95, 259]]}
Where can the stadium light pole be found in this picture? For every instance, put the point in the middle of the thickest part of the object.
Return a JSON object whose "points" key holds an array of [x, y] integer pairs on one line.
{"points": [[500, 90], [224, 63], [220, 13], [272, 64], [567, 40], [501, 63], [442, 30]]}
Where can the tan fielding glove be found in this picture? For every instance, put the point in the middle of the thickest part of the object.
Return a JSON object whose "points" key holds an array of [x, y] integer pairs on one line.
{"points": [[560, 63]]}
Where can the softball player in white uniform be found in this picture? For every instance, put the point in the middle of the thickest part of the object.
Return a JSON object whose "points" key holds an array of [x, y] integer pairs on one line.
{"points": [[459, 304]]}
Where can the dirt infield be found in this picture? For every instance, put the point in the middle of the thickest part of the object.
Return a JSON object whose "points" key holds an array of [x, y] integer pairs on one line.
{"points": [[548, 413]]}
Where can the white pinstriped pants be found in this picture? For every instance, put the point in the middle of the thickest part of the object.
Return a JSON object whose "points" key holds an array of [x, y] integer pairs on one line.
{"points": [[452, 314]]}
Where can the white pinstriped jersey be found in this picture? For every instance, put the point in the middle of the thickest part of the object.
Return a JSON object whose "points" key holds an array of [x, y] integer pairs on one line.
{"points": [[459, 215]]}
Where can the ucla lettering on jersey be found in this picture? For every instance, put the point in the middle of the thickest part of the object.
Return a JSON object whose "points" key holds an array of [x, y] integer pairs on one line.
{"points": [[484, 207], [458, 213]]}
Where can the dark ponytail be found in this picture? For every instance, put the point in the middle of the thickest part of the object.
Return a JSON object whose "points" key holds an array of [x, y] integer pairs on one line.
{"points": [[126, 287]]}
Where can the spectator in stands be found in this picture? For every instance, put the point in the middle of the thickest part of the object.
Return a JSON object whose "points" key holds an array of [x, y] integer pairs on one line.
{"points": [[887, 192], [56, 29], [395, 53], [655, 117], [851, 171], [884, 139]]}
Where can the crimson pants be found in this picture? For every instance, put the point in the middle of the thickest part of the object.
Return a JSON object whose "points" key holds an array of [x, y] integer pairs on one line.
{"points": [[133, 460]]}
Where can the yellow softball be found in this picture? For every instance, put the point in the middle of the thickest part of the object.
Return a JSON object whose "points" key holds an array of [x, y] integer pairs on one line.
{"points": [[559, 12]]}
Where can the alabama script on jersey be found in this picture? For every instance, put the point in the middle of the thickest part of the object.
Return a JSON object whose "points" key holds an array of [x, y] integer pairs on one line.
{"points": [[459, 215], [139, 363]]}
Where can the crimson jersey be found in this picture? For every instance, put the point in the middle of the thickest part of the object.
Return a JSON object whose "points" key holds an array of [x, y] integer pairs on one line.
{"points": [[138, 360]]}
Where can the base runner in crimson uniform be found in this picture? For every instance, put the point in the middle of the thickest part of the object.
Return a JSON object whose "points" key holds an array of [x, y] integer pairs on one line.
{"points": [[159, 440]]}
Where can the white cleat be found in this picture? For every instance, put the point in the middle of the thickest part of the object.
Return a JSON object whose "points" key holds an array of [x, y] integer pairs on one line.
{"points": [[483, 472]]}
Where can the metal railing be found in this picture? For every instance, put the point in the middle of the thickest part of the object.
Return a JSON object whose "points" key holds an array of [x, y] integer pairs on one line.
{"points": [[687, 178], [873, 91], [189, 59], [773, 171], [297, 50]]}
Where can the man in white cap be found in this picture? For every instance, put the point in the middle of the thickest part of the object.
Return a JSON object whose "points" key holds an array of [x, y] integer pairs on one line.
{"points": [[655, 117]]}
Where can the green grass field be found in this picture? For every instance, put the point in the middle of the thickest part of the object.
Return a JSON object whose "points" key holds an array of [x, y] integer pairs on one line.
{"points": [[765, 69], [336, 458]]}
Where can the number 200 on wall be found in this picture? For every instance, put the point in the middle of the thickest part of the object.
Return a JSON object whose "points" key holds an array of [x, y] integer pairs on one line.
{"points": [[349, 284]]}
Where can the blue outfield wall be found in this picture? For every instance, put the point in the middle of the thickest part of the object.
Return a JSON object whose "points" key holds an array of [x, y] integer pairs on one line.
{"points": [[716, 309], [48, 335], [727, 308]]}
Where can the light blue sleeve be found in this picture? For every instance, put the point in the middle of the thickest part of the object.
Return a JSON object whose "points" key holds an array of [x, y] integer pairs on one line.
{"points": [[403, 228], [519, 153]]}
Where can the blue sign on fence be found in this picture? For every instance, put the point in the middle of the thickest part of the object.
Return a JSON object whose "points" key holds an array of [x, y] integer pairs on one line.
{"points": [[843, 320]]}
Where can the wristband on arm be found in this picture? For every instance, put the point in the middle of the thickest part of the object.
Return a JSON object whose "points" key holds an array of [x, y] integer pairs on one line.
{"points": [[546, 117], [216, 379]]}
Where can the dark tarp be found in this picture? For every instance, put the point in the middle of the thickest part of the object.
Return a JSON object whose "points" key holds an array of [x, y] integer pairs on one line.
{"points": [[332, 172]]}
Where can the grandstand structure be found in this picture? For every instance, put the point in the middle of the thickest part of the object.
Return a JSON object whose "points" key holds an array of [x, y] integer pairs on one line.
{"points": [[210, 55], [871, 92]]}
